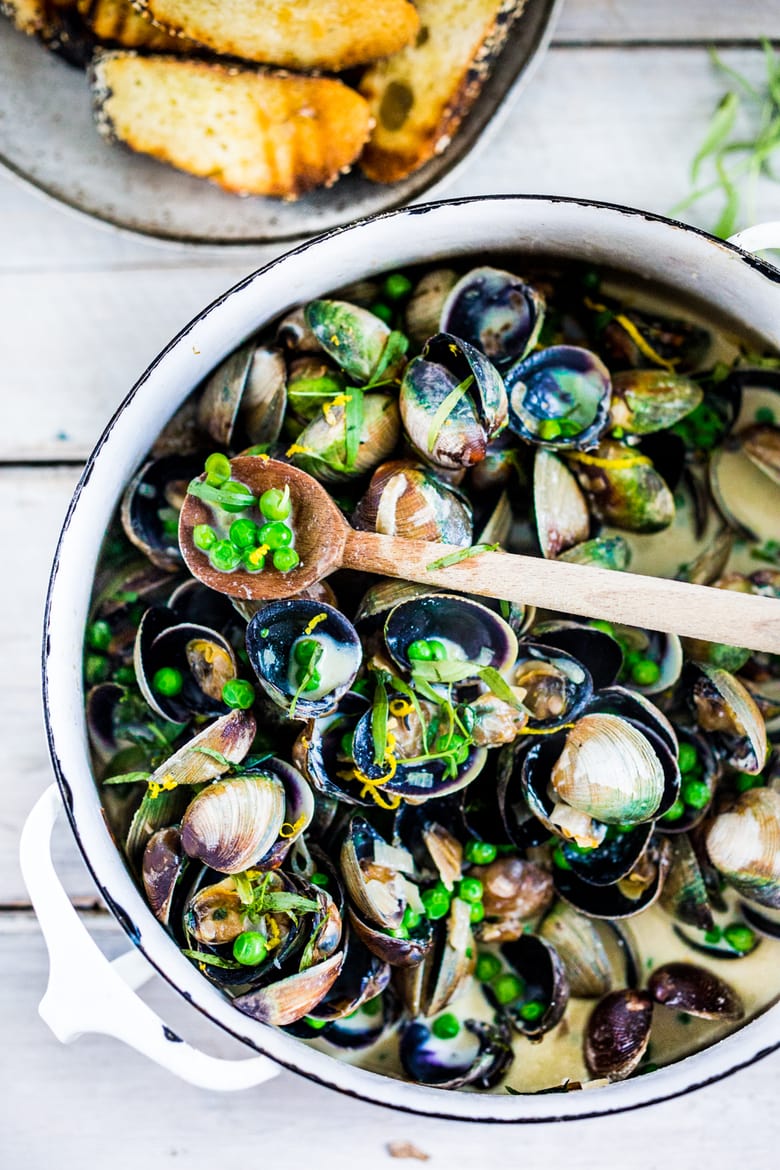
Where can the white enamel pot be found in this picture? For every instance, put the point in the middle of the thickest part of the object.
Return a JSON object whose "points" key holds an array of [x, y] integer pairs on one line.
{"points": [[85, 992]]}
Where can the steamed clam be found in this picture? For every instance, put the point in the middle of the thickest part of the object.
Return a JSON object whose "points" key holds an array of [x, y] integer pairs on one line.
{"points": [[418, 826]]}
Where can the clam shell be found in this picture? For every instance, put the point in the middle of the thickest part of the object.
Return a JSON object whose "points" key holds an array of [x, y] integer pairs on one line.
{"points": [[230, 737], [562, 517], [744, 845], [694, 990], [617, 1034], [287, 1000], [232, 824], [609, 770]]}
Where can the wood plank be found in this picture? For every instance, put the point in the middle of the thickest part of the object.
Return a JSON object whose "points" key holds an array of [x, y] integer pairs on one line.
{"points": [[77, 338], [705, 21], [98, 1101], [40, 499]]}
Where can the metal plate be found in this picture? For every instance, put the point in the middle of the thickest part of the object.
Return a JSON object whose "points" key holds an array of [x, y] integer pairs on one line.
{"points": [[47, 137]]}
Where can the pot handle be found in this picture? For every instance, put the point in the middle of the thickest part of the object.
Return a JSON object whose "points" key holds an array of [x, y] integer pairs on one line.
{"points": [[758, 237], [102, 997]]}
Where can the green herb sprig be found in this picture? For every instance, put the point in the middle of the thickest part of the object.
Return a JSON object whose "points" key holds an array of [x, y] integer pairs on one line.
{"points": [[740, 145]]}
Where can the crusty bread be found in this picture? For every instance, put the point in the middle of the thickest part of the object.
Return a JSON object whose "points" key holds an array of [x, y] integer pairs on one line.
{"points": [[35, 17], [250, 131], [419, 96], [306, 34], [117, 22]]}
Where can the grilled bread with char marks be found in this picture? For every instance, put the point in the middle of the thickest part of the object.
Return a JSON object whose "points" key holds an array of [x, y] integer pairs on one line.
{"points": [[251, 131], [419, 96], [307, 34], [117, 22]]}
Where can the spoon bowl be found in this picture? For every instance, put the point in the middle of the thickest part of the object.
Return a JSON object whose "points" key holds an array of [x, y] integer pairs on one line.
{"points": [[321, 532]]}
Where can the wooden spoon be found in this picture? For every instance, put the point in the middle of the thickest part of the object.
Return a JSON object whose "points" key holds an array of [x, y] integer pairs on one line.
{"points": [[326, 542]]}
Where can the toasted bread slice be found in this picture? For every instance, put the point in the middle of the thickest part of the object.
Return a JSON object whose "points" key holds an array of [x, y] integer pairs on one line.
{"points": [[254, 132], [117, 22], [56, 23], [419, 96], [35, 17], [308, 34]]}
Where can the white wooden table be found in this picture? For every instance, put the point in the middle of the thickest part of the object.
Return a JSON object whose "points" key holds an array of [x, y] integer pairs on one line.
{"points": [[615, 112]]}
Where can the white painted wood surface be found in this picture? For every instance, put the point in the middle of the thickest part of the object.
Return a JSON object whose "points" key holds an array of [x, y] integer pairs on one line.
{"points": [[615, 112]]}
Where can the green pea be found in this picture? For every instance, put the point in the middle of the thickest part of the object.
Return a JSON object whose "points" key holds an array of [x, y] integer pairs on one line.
{"points": [[285, 559], [549, 428], [765, 414], [605, 627], [253, 559], [476, 912], [532, 1011], [99, 635], [645, 673], [224, 557], [250, 948], [243, 534], [316, 1024], [304, 650], [168, 681], [217, 469], [313, 682], [471, 889], [125, 676], [675, 812], [411, 919], [744, 782], [560, 860], [382, 311], [445, 1027], [695, 794], [740, 938], [96, 669], [319, 879], [480, 852], [396, 286], [203, 537], [275, 504], [438, 650], [488, 966], [507, 988], [714, 935], [372, 1007], [688, 757], [436, 902], [632, 658], [238, 694], [419, 651], [276, 534], [399, 932]]}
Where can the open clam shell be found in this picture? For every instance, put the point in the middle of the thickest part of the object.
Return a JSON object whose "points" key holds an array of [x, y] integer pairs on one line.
{"points": [[247, 393], [151, 505], [471, 632], [496, 312], [274, 633], [479, 1056], [559, 397], [204, 659], [452, 402]]}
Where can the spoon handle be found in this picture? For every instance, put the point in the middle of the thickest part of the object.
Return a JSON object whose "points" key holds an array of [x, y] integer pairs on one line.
{"points": [[694, 611]]}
